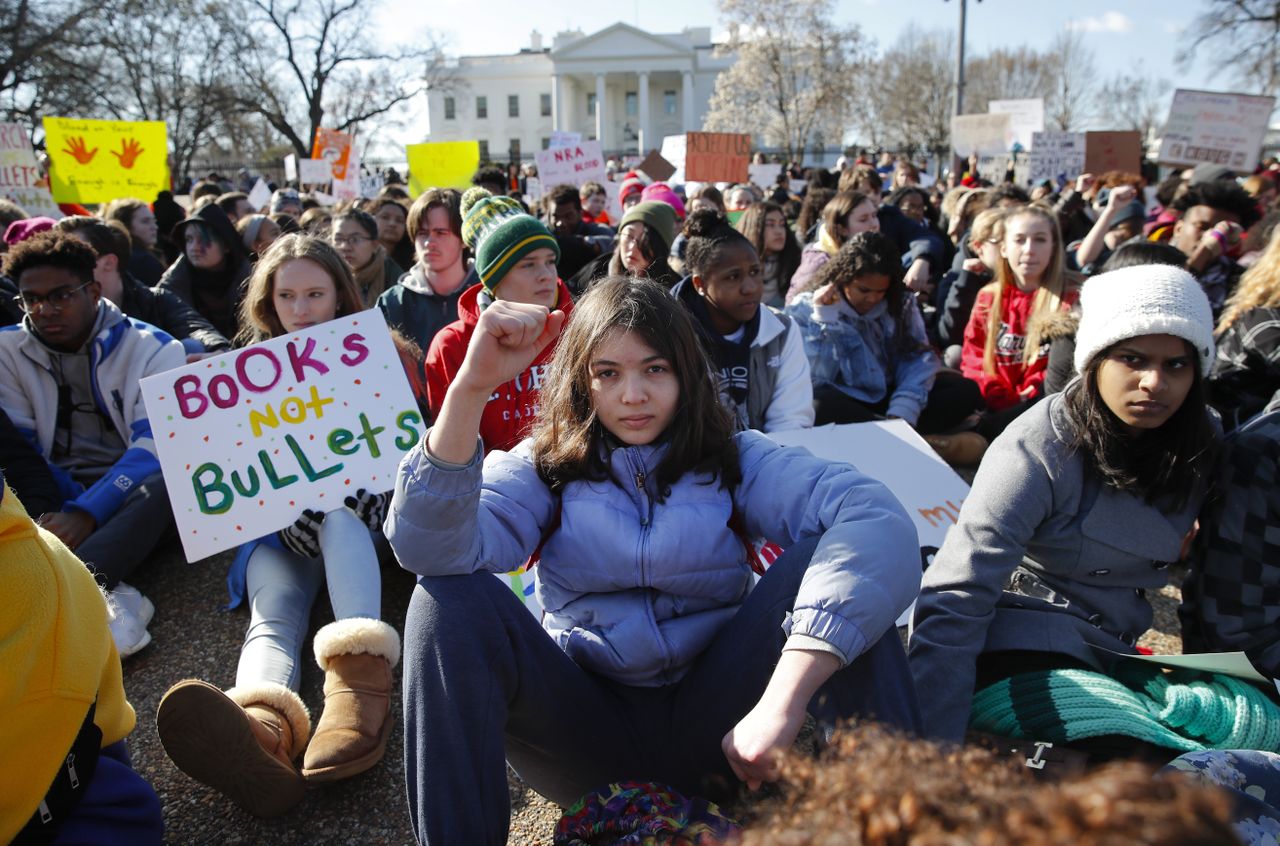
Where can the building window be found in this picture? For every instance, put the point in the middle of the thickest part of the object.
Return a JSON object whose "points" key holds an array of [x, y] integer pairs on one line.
{"points": [[668, 102], [546, 105], [546, 143], [633, 104], [513, 150], [484, 151], [482, 107], [513, 105], [591, 105], [450, 108]]}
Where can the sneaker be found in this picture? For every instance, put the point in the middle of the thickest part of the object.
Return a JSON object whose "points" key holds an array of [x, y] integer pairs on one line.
{"points": [[139, 606], [127, 631]]}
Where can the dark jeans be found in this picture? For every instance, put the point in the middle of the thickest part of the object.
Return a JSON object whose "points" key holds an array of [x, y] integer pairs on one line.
{"points": [[484, 684], [118, 546], [951, 400]]}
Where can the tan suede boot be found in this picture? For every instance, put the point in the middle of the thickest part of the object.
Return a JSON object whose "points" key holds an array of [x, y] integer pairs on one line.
{"points": [[241, 743], [357, 655]]}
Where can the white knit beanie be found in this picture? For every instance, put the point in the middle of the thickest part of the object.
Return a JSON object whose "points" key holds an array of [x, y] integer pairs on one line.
{"points": [[1149, 299]]}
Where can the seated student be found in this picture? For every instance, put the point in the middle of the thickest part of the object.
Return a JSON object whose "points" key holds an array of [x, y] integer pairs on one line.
{"points": [[1080, 506], [243, 742], [1246, 373], [257, 232], [144, 234], [1210, 233], [210, 274], [162, 309], [516, 262], [69, 377], [644, 242], [982, 246], [757, 353], [594, 202], [426, 300], [657, 659], [355, 235], [64, 716], [847, 214], [869, 357], [392, 220], [580, 242], [765, 226], [1120, 220]]}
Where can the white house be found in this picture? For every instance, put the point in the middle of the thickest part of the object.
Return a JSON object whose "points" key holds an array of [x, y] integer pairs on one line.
{"points": [[625, 86]]}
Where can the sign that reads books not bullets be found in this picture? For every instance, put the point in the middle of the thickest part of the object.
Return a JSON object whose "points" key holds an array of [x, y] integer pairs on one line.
{"points": [[572, 165], [250, 438]]}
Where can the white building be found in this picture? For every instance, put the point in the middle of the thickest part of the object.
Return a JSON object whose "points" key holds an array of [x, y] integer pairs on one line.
{"points": [[625, 86]]}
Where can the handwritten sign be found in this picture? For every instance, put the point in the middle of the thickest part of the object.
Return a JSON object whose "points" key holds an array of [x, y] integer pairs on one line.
{"points": [[95, 161], [571, 165], [1057, 154], [1104, 151], [314, 171], [335, 148], [443, 164], [250, 438], [260, 196], [560, 138], [1026, 117], [20, 178], [764, 175], [981, 134], [1208, 126], [716, 156]]}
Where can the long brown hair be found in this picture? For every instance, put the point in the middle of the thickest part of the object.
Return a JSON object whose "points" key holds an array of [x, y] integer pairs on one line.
{"points": [[1048, 297], [838, 210], [568, 438], [258, 319]]}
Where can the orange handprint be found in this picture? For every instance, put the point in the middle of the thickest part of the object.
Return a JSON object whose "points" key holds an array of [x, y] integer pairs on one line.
{"points": [[129, 152], [76, 149]]}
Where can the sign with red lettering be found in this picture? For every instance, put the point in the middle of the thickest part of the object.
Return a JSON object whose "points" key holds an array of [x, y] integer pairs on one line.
{"points": [[716, 156], [572, 165], [250, 438], [20, 178]]}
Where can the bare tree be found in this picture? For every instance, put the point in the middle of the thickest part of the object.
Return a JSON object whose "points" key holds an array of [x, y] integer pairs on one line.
{"points": [[1070, 67], [795, 76], [39, 43], [1244, 41], [1014, 73], [911, 95], [1135, 102]]}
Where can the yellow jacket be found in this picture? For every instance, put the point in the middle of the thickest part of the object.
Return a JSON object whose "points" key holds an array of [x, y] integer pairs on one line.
{"points": [[56, 655]]}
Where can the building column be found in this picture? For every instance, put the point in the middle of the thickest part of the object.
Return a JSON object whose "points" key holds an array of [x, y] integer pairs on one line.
{"points": [[687, 99], [559, 106], [600, 124], [645, 141]]}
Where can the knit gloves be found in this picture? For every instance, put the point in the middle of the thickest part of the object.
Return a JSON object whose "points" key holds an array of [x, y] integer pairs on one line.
{"points": [[303, 537], [371, 508]]}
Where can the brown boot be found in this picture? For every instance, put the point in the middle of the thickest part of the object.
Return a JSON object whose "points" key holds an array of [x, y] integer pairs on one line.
{"points": [[959, 450], [241, 743], [357, 655]]}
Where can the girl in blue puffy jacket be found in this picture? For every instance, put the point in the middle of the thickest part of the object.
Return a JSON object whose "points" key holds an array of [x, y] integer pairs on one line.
{"points": [[656, 658]]}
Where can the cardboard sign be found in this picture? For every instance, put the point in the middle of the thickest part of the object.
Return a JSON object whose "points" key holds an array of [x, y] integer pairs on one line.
{"points": [[1104, 151], [370, 185], [96, 161], [20, 178], [1026, 117], [314, 171], [1057, 155], [335, 148], [1207, 126], [348, 186], [560, 139], [443, 164], [764, 175], [260, 196], [674, 148], [981, 134], [291, 168], [656, 167], [571, 165], [250, 438], [716, 156]]}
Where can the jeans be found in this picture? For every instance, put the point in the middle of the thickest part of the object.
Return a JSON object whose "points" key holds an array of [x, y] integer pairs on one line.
{"points": [[118, 546], [282, 586], [484, 684]]}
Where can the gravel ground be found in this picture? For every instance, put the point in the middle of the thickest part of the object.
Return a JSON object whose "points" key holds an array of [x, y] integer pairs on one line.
{"points": [[193, 637]]}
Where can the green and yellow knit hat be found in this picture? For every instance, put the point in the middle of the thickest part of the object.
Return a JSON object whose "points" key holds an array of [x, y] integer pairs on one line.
{"points": [[500, 233]]}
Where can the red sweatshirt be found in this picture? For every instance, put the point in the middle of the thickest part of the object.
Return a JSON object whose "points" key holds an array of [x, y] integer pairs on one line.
{"points": [[1000, 390], [511, 409]]}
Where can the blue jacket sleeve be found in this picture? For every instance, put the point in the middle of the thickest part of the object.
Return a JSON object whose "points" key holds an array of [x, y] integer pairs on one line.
{"points": [[914, 373]]}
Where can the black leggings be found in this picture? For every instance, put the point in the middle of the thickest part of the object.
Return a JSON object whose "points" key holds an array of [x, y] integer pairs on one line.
{"points": [[952, 399]]}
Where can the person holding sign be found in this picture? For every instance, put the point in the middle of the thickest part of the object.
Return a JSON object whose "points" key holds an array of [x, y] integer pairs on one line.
{"points": [[1080, 506], [243, 742], [657, 659]]}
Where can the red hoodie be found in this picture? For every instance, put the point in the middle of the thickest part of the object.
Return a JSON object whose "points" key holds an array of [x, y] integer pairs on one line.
{"points": [[1000, 390], [511, 409]]}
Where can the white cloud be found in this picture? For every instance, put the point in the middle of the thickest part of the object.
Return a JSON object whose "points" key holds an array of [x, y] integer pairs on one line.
{"points": [[1106, 22]]}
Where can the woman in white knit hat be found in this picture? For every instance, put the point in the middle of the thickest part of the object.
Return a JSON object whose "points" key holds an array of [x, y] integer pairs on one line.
{"points": [[1080, 506]]}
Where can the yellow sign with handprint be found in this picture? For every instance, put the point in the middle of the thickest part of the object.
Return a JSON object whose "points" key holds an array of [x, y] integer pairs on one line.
{"points": [[94, 161]]}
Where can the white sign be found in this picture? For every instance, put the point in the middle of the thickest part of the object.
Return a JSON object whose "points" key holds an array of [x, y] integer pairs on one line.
{"points": [[348, 188], [764, 175], [370, 185], [1025, 118], [981, 134], [260, 196], [314, 171], [250, 438], [291, 168], [1055, 154], [571, 165], [564, 139], [1210, 127], [21, 179], [674, 149]]}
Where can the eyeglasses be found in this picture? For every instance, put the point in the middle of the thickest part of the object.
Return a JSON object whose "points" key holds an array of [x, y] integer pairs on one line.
{"points": [[350, 240], [56, 300]]}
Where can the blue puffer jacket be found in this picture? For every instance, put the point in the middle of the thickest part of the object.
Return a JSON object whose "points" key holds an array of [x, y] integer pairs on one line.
{"points": [[635, 589]]}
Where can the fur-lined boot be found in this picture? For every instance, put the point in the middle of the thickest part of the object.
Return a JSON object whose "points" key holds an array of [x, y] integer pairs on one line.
{"points": [[357, 656], [241, 743]]}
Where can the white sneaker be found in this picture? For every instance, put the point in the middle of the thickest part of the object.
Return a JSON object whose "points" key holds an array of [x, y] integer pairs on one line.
{"points": [[127, 631], [139, 606]]}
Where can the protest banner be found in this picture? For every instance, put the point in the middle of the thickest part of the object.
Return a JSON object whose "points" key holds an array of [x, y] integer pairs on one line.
{"points": [[1217, 128], [764, 175], [347, 187], [1057, 154], [291, 168], [1026, 117], [20, 178], [716, 156], [335, 148], [673, 150], [260, 196], [656, 167], [370, 185], [442, 164], [95, 161], [314, 171], [560, 138], [1104, 151], [981, 134], [571, 165], [250, 438]]}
